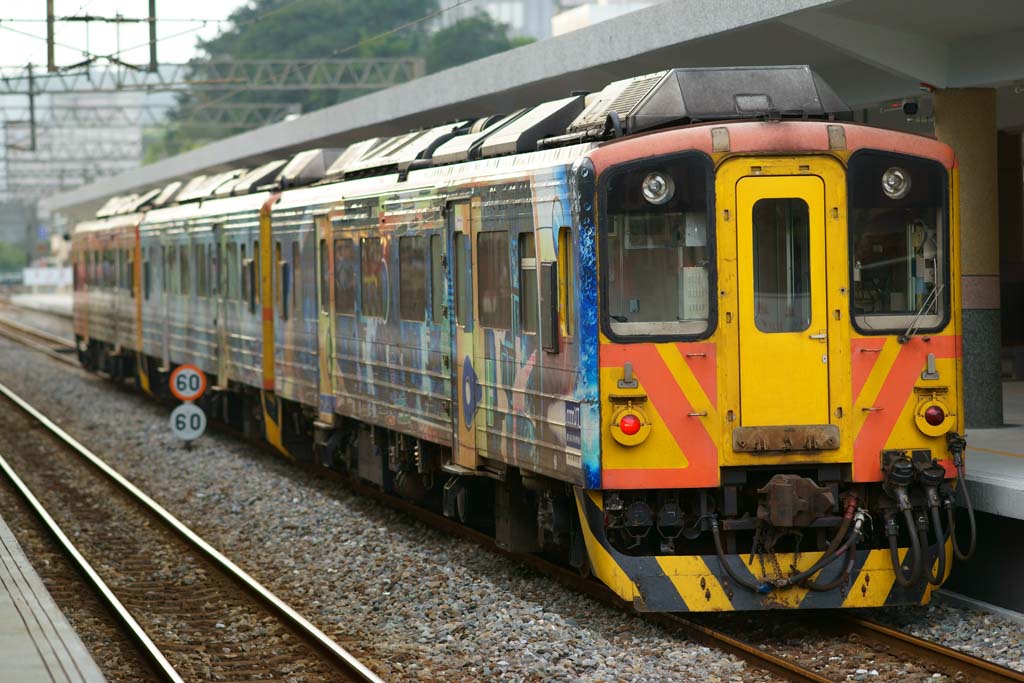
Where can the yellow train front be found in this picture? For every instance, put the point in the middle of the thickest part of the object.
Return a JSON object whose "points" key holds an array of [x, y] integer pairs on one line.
{"points": [[780, 374]]}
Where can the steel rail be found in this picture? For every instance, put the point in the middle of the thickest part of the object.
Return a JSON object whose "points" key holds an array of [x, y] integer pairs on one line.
{"points": [[38, 340], [153, 653], [339, 655], [960, 665]]}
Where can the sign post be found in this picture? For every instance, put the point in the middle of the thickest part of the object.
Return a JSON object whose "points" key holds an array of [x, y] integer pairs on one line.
{"points": [[188, 421]]}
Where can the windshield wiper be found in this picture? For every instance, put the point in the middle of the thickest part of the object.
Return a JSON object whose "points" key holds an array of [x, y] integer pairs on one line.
{"points": [[932, 297]]}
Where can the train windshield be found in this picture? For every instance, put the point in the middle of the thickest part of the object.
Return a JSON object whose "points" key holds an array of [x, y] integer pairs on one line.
{"points": [[658, 248], [898, 242]]}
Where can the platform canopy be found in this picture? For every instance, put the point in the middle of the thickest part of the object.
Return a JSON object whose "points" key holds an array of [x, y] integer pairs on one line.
{"points": [[869, 51]]}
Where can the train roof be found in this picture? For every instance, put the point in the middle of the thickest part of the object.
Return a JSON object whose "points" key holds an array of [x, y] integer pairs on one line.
{"points": [[622, 108]]}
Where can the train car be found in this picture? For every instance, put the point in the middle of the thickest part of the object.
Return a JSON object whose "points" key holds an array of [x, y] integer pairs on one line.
{"points": [[695, 332]]}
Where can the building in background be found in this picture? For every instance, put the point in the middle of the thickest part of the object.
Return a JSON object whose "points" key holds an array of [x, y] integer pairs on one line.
{"points": [[577, 14], [79, 138], [525, 18]]}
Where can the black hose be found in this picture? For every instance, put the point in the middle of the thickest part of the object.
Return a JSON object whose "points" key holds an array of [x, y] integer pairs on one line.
{"points": [[915, 551], [940, 541], [741, 580], [843, 575], [950, 516]]}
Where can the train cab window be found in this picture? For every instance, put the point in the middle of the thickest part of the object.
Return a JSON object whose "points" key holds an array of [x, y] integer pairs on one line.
{"points": [[782, 275], [494, 286], [527, 283], [899, 256], [657, 256], [437, 281], [412, 277], [371, 275], [344, 279]]}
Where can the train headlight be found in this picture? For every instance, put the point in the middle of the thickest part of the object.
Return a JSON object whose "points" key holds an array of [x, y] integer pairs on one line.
{"points": [[658, 188], [933, 417], [630, 426], [895, 183]]}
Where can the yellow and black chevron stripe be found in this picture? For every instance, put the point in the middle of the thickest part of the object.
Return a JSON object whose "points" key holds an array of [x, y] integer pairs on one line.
{"points": [[699, 583]]}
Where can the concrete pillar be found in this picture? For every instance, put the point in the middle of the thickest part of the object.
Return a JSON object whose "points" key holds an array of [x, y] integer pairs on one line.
{"points": [[965, 119]]}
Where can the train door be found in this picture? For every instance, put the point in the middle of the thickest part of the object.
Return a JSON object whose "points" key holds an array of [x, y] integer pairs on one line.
{"points": [[325, 321], [783, 312], [462, 231]]}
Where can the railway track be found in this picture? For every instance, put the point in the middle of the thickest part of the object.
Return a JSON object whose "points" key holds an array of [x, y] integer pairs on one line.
{"points": [[196, 614], [957, 665], [52, 345], [883, 640]]}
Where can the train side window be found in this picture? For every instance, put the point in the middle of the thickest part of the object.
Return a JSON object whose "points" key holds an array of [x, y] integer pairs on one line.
{"points": [[231, 277], [437, 282], [255, 274], [243, 274], [325, 277], [165, 270], [147, 275], [281, 282], [199, 258], [216, 266], [184, 270], [172, 270], [493, 282], [463, 280], [344, 282], [130, 258], [412, 299], [566, 282], [371, 275], [296, 278], [527, 283]]}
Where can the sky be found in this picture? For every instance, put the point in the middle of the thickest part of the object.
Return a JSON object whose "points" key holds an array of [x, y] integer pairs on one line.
{"points": [[18, 17]]}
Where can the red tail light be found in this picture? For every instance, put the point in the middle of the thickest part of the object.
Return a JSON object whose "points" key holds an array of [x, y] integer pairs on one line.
{"points": [[934, 415], [629, 424]]}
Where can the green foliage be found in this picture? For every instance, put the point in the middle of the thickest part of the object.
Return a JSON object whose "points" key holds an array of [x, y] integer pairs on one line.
{"points": [[12, 257], [322, 29], [470, 39]]}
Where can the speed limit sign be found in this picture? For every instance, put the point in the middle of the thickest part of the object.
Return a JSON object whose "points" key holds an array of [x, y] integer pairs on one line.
{"points": [[188, 422], [187, 382]]}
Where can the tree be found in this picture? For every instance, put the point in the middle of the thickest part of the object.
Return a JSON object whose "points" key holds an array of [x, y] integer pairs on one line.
{"points": [[472, 38], [12, 257], [324, 29]]}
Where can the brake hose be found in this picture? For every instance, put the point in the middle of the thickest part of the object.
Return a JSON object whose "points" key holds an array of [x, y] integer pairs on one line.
{"points": [[940, 540], [894, 551], [957, 444]]}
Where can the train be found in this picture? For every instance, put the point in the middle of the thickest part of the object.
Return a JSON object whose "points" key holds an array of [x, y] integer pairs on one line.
{"points": [[697, 334]]}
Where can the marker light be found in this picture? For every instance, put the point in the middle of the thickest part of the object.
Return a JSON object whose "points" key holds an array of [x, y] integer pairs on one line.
{"points": [[934, 415], [658, 188], [895, 183], [630, 424]]}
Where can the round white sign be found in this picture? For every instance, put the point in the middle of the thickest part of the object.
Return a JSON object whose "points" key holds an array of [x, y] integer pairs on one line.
{"points": [[188, 382], [188, 422]]}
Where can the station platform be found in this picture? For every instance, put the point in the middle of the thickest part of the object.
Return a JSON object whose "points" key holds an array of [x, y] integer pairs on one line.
{"points": [[58, 303], [995, 459], [37, 644]]}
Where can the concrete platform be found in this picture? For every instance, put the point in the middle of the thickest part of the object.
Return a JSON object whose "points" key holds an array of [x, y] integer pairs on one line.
{"points": [[995, 460], [56, 304], [37, 645]]}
